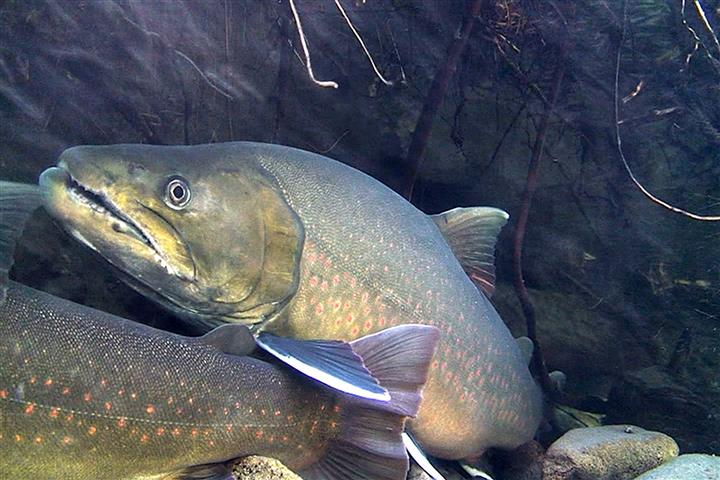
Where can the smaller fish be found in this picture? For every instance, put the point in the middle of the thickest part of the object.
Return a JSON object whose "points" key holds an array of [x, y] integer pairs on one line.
{"points": [[88, 395]]}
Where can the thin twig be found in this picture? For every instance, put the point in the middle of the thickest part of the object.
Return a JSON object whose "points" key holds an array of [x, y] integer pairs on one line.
{"points": [[706, 23], [618, 140], [204, 77], [306, 50], [362, 44]]}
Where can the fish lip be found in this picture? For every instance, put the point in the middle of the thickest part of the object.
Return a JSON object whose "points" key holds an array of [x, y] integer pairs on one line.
{"points": [[87, 197]]}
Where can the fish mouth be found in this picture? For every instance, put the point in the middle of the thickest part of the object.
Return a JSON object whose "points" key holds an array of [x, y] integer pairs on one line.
{"points": [[98, 203]]}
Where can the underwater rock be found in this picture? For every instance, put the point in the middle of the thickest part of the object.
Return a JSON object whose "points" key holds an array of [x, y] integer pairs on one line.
{"points": [[523, 463], [680, 406], [693, 466], [417, 473], [262, 468], [613, 452]]}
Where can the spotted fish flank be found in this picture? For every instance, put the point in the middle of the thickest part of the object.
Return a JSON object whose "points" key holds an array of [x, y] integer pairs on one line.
{"points": [[88, 395], [345, 254]]}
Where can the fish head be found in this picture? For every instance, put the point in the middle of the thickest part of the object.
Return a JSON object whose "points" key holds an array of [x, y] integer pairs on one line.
{"points": [[199, 229]]}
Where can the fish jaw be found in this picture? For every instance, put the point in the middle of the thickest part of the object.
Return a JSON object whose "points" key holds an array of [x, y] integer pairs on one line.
{"points": [[92, 217]]}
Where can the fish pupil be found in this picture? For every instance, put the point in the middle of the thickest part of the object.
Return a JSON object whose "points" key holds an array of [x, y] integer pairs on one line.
{"points": [[177, 194]]}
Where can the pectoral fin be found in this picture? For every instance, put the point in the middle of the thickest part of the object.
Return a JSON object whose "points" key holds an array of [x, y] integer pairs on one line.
{"points": [[230, 339], [17, 202], [331, 362], [471, 234], [527, 347]]}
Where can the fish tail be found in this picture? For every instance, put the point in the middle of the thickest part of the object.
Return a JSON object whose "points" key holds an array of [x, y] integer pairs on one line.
{"points": [[370, 444]]}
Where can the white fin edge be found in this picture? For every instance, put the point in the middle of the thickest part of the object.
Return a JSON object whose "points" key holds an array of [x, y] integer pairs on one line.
{"points": [[419, 456], [475, 472], [323, 377]]}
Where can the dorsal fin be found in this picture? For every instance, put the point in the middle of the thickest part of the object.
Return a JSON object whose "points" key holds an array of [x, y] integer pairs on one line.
{"points": [[472, 233], [232, 339], [17, 202]]}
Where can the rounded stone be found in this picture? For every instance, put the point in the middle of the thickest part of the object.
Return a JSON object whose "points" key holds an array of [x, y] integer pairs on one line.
{"points": [[693, 466], [262, 468], [613, 452]]}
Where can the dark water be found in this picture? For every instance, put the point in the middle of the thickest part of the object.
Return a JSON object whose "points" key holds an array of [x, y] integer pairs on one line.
{"points": [[625, 291]]}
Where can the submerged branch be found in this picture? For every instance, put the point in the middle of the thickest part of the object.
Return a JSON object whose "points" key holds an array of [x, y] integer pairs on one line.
{"points": [[531, 184], [436, 95], [306, 51], [618, 141]]}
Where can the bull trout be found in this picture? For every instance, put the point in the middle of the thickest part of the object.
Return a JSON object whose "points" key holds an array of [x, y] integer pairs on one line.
{"points": [[88, 395], [303, 246]]}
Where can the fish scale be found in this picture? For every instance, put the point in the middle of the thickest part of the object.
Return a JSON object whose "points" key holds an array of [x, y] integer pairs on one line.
{"points": [[371, 261], [94, 390]]}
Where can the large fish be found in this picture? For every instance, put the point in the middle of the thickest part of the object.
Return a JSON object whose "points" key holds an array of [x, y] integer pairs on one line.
{"points": [[87, 395], [303, 246]]}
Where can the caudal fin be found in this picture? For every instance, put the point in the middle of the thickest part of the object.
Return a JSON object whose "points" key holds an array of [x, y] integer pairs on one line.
{"points": [[17, 202], [370, 445]]}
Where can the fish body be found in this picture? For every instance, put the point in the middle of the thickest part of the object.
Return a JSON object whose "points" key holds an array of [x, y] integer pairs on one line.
{"points": [[88, 395], [323, 251], [84, 394]]}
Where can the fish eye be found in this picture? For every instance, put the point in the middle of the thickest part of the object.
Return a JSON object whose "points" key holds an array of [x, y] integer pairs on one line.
{"points": [[177, 193]]}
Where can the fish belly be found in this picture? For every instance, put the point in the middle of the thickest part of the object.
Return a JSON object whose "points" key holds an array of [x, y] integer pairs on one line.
{"points": [[479, 393]]}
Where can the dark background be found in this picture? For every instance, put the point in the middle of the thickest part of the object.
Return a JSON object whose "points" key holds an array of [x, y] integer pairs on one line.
{"points": [[626, 292]]}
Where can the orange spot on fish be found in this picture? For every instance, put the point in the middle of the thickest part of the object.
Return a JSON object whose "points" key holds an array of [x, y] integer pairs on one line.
{"points": [[18, 438], [38, 439], [368, 324], [33, 379], [336, 280], [87, 396], [160, 431], [170, 401], [145, 437], [324, 285], [66, 440], [259, 434], [381, 321], [355, 330], [314, 281], [92, 430], [3, 394], [336, 409], [150, 409], [133, 395], [53, 412], [175, 432], [48, 382], [364, 297], [319, 308], [122, 421], [336, 305], [69, 417], [350, 318], [103, 383], [108, 406], [29, 409], [194, 432], [277, 413]]}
